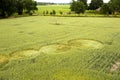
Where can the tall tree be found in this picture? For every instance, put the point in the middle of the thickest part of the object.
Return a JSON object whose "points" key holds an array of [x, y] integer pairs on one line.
{"points": [[20, 6], [85, 2], [2, 8], [79, 7], [95, 4], [72, 6], [7, 7], [115, 4], [30, 6], [106, 9]]}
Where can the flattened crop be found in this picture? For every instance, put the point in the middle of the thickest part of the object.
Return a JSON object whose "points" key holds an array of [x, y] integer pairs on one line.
{"points": [[85, 43], [55, 48], [24, 53]]}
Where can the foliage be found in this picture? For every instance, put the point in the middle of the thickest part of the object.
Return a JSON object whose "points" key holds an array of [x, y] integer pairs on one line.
{"points": [[95, 4], [72, 6], [45, 3], [78, 7], [61, 12], [85, 2], [112, 7], [20, 6], [30, 6], [53, 12], [9, 7], [106, 9], [115, 4]]}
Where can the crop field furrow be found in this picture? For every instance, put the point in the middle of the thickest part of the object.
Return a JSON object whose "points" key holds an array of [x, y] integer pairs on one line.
{"points": [[92, 59], [59, 48], [99, 62], [106, 67]]}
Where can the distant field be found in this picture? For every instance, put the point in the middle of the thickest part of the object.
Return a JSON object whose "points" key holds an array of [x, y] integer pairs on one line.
{"points": [[65, 9], [57, 8], [60, 48]]}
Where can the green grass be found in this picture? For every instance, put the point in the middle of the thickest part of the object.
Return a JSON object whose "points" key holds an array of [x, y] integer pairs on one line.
{"points": [[69, 62]]}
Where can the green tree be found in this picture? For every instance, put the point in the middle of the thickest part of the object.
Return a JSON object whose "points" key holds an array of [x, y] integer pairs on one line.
{"points": [[53, 12], [79, 7], [72, 5], [95, 4], [85, 2], [106, 9], [115, 4], [20, 6], [7, 7], [30, 6], [61, 12]]}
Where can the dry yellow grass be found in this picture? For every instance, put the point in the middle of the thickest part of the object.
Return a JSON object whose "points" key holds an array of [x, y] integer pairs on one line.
{"points": [[3, 59]]}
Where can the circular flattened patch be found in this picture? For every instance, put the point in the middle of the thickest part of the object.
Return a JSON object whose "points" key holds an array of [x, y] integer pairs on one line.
{"points": [[55, 48], [24, 53], [83, 43]]}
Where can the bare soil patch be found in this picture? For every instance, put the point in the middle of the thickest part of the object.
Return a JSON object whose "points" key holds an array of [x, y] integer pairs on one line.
{"points": [[115, 66]]}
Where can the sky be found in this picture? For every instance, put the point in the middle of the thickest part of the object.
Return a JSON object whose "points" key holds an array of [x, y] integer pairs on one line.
{"points": [[62, 1]]}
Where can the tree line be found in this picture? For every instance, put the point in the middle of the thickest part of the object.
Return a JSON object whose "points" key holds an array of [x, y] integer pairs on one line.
{"points": [[51, 3], [9, 7], [111, 7]]}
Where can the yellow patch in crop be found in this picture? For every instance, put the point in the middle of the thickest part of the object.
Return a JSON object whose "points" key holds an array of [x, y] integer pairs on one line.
{"points": [[3, 59]]}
